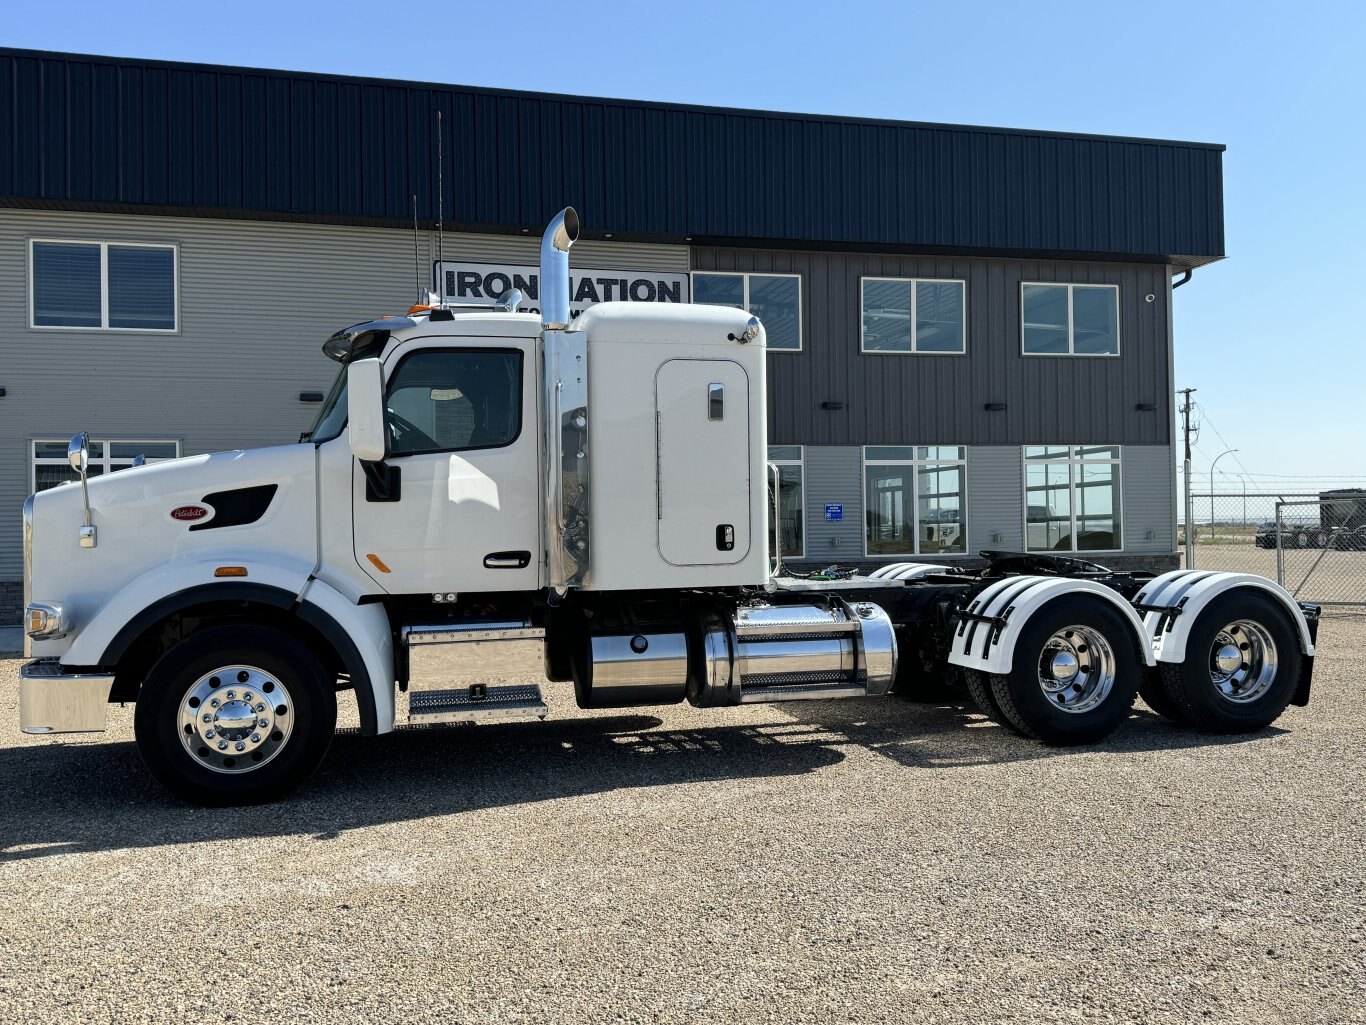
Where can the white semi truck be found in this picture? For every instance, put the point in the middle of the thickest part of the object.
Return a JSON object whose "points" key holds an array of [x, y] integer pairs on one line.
{"points": [[479, 480]]}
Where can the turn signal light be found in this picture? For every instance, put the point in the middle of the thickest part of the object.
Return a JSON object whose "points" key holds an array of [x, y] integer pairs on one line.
{"points": [[44, 619], [230, 571]]}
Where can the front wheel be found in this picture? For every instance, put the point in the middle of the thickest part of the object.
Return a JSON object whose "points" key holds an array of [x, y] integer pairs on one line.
{"points": [[235, 715], [1075, 674]]}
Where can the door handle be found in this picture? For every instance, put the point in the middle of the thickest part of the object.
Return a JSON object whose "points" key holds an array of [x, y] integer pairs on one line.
{"points": [[507, 560]]}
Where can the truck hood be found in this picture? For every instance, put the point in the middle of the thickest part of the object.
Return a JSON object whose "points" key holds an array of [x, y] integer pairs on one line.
{"points": [[235, 506]]}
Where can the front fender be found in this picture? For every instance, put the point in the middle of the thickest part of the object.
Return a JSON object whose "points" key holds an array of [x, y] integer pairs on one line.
{"points": [[115, 613]]}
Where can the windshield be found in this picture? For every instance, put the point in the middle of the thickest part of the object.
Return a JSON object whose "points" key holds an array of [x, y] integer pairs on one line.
{"points": [[332, 417]]}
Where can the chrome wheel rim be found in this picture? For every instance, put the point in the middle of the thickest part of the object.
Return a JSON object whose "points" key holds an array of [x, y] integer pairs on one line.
{"points": [[1243, 661], [1076, 669], [236, 719]]}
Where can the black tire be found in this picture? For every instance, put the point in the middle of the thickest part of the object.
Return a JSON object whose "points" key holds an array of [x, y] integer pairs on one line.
{"points": [[301, 728], [1191, 685], [1021, 696], [979, 689], [1154, 694]]}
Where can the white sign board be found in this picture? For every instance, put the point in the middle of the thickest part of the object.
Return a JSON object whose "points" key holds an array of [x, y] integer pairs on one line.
{"points": [[483, 283]]}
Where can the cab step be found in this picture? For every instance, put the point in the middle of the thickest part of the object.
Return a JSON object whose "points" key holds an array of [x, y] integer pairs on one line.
{"points": [[477, 703]]}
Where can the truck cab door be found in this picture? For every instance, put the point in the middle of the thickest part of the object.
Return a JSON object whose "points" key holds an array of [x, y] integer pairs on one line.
{"points": [[462, 511]]}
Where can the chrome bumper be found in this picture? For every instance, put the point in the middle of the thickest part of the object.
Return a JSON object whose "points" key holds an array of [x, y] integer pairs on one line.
{"points": [[55, 700]]}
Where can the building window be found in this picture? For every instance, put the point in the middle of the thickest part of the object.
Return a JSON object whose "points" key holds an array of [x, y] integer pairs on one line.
{"points": [[915, 500], [102, 286], [50, 467], [1070, 320], [776, 299], [1072, 498], [791, 500], [913, 315]]}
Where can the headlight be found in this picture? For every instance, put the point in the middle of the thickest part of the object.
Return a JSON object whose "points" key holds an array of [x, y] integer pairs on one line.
{"points": [[43, 619]]}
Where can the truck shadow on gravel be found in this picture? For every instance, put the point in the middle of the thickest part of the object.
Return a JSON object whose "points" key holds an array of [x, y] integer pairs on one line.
{"points": [[80, 798]]}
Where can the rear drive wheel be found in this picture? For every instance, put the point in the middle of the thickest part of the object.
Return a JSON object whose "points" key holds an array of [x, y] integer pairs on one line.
{"points": [[235, 715], [1242, 665], [979, 689], [1154, 693], [1075, 675]]}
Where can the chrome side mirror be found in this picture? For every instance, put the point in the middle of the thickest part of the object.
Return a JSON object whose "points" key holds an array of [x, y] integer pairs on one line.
{"points": [[78, 455]]}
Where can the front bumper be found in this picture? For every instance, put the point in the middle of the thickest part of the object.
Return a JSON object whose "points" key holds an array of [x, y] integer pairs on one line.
{"points": [[53, 699]]}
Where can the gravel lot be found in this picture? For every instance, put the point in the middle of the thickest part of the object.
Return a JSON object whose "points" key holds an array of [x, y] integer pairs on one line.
{"points": [[869, 861]]}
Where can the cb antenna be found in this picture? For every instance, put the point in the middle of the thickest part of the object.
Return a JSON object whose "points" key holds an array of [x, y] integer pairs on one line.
{"points": [[417, 260], [440, 211]]}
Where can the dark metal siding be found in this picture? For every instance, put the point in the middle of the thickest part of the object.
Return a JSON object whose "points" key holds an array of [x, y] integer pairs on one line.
{"points": [[113, 134], [938, 400]]}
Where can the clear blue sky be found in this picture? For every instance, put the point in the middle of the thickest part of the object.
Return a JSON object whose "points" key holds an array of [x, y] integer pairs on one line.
{"points": [[1272, 337]]}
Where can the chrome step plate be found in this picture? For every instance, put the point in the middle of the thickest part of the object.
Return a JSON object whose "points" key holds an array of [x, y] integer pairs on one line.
{"points": [[517, 701]]}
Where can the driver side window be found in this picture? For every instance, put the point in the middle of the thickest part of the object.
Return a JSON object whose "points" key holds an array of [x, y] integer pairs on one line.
{"points": [[455, 400]]}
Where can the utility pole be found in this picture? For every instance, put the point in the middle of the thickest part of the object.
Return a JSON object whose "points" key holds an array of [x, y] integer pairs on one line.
{"points": [[1190, 522]]}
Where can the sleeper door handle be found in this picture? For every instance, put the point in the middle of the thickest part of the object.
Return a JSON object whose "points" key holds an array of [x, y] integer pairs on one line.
{"points": [[507, 560]]}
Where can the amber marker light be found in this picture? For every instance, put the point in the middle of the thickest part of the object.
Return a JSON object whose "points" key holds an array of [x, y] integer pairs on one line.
{"points": [[230, 571], [377, 562]]}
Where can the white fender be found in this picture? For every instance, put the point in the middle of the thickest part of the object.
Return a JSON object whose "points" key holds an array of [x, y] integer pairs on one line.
{"points": [[191, 570], [990, 648], [904, 571], [368, 627], [1191, 591]]}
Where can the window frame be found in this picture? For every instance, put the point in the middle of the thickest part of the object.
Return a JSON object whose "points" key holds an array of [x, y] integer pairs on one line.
{"points": [[107, 463], [104, 245], [1073, 461], [1071, 352], [912, 351], [746, 275], [913, 462], [800, 463], [481, 350]]}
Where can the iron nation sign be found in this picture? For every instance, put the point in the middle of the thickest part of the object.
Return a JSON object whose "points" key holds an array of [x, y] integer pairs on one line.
{"points": [[483, 283]]}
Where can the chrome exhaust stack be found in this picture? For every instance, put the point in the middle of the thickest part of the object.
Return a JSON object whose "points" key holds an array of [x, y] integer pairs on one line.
{"points": [[561, 233]]}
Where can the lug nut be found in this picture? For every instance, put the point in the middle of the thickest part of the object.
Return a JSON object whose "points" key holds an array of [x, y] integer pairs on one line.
{"points": [[246, 696], [260, 708], [256, 738], [232, 694], [241, 746], [208, 717], [263, 723], [214, 703], [222, 745], [208, 734]]}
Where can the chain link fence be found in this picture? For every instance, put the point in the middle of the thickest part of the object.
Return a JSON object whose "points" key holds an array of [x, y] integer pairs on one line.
{"points": [[1314, 545]]}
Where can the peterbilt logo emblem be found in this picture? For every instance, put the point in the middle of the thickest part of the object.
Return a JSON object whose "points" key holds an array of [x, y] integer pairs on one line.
{"points": [[189, 512]]}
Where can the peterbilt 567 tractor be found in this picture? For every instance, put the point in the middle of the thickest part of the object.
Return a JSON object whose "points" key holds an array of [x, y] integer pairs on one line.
{"points": [[479, 480]]}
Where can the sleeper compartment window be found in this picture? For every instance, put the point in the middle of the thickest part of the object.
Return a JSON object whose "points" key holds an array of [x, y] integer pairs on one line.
{"points": [[776, 299], [914, 500], [1069, 320], [791, 501], [1072, 498], [103, 286], [913, 315]]}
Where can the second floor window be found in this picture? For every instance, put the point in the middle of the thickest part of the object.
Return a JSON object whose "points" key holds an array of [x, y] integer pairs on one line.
{"points": [[913, 315], [776, 299], [1070, 320], [102, 286]]}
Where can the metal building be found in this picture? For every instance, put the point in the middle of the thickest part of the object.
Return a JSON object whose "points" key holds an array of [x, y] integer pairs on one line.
{"points": [[970, 328]]}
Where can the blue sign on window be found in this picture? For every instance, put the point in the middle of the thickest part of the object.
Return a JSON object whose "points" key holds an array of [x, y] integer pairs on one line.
{"points": [[834, 511]]}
